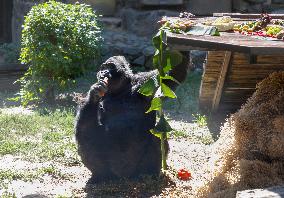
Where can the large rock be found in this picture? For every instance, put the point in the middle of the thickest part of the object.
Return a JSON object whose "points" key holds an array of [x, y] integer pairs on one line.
{"points": [[140, 61], [149, 51], [256, 1], [278, 1], [208, 7], [20, 9], [143, 23], [103, 7], [127, 44]]}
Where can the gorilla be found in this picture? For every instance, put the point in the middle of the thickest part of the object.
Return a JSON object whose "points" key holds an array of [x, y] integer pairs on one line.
{"points": [[112, 128]]}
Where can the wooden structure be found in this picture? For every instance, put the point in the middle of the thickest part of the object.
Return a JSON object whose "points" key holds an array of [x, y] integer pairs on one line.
{"points": [[235, 64]]}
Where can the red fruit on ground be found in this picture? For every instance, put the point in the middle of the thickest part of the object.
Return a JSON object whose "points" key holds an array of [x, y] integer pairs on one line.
{"points": [[184, 174]]}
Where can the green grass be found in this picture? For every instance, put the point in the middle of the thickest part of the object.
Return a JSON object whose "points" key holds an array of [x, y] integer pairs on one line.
{"points": [[179, 134], [206, 139], [9, 175], [200, 120], [48, 136], [15, 175]]}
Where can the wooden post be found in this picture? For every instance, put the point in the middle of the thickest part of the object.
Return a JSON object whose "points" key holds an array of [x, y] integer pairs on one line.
{"points": [[221, 81]]}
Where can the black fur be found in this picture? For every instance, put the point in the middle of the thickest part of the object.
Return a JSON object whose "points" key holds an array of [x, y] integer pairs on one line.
{"points": [[112, 131]]}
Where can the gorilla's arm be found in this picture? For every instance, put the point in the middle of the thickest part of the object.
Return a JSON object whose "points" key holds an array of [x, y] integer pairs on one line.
{"points": [[87, 116]]}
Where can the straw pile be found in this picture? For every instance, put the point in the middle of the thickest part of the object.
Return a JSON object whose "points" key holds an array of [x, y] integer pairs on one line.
{"points": [[250, 150]]}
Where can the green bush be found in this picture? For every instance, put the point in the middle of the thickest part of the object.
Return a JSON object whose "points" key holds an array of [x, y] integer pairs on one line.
{"points": [[59, 43]]}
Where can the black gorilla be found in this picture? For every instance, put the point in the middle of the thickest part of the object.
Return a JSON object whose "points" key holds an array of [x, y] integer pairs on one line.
{"points": [[112, 128]]}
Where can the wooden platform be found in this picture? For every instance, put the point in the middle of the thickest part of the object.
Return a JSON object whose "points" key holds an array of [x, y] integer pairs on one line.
{"points": [[225, 87], [226, 42], [235, 64]]}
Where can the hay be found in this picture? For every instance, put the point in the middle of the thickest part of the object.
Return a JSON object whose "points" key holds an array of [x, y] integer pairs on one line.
{"points": [[250, 150]]}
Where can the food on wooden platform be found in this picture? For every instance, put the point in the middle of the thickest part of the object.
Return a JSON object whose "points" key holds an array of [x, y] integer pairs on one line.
{"points": [[187, 26], [223, 24], [176, 25], [264, 27], [250, 150], [280, 35]]}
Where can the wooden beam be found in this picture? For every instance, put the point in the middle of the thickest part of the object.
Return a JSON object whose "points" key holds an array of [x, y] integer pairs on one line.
{"points": [[221, 81]]}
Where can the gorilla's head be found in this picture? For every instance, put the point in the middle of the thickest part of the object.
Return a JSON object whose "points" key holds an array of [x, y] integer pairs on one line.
{"points": [[117, 70]]}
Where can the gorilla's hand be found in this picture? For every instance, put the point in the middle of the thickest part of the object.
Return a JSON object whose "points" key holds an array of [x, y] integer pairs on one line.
{"points": [[98, 90]]}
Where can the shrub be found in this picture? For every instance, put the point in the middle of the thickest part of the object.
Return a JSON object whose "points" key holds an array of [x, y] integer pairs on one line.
{"points": [[59, 43]]}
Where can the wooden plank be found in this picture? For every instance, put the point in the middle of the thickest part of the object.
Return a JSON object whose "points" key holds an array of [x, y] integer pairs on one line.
{"points": [[248, 16], [226, 42], [273, 192], [209, 80], [221, 80]]}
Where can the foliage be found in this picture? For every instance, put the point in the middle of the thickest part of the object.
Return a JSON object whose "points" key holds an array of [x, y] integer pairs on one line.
{"points": [[201, 120], [59, 43], [164, 60]]}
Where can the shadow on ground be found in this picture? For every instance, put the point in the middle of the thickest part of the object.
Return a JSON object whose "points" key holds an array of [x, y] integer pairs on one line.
{"points": [[35, 196], [215, 123], [146, 187]]}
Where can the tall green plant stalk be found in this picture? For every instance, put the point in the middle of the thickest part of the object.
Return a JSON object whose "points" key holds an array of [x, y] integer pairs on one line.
{"points": [[163, 147], [164, 60]]}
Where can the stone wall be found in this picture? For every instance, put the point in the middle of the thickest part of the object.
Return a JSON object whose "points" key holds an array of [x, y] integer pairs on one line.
{"points": [[133, 25], [207, 7], [131, 18], [20, 9], [258, 6]]}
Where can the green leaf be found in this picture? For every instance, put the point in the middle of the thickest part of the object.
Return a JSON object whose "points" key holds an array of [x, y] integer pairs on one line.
{"points": [[157, 40], [156, 61], [156, 133], [170, 78], [163, 125], [215, 32], [167, 91], [156, 105], [148, 88], [173, 59]]}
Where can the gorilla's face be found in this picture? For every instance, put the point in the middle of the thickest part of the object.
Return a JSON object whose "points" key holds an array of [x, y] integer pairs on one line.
{"points": [[115, 78], [118, 73]]}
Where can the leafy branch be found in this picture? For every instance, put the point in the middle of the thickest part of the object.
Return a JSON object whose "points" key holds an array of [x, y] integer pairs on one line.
{"points": [[164, 60]]}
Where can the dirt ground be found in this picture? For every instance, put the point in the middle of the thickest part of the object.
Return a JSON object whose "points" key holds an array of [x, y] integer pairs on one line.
{"points": [[72, 182], [185, 152]]}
